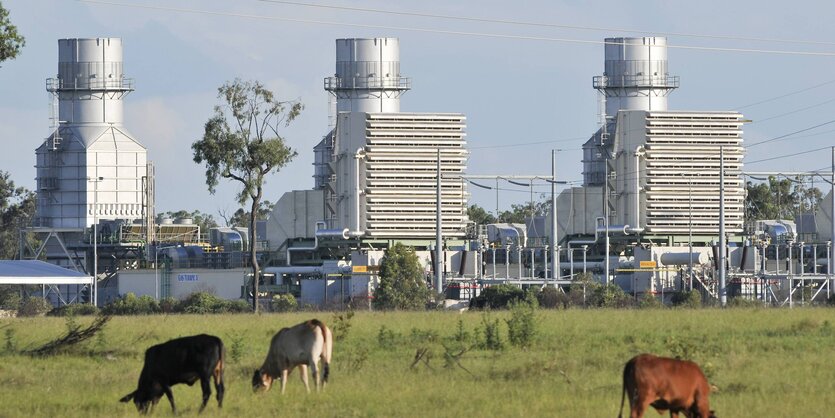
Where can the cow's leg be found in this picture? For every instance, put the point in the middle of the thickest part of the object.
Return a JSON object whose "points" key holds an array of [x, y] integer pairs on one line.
{"points": [[303, 371], [315, 370], [170, 396], [207, 391], [640, 406], [284, 373], [218, 376]]}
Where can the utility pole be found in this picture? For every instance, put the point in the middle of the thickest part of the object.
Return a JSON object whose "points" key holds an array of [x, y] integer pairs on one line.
{"points": [[439, 260], [723, 298], [555, 261], [832, 219]]}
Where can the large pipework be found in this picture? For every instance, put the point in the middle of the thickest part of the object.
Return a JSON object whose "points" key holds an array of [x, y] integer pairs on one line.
{"points": [[683, 258], [367, 77], [320, 234]]}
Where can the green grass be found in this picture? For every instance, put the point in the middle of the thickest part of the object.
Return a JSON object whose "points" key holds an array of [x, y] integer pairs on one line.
{"points": [[765, 362]]}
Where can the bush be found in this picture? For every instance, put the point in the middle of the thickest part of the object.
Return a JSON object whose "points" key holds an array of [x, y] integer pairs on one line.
{"points": [[169, 305], [649, 301], [742, 302], [238, 306], [687, 299], [402, 283], [608, 296], [75, 309], [521, 327], [34, 307], [551, 298], [490, 337], [284, 303], [497, 297], [202, 303], [130, 304]]}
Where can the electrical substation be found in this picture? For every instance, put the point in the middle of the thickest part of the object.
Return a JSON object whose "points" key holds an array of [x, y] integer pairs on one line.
{"points": [[660, 208]]}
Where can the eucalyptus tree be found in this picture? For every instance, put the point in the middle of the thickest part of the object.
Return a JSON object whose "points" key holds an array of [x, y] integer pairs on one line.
{"points": [[241, 142]]}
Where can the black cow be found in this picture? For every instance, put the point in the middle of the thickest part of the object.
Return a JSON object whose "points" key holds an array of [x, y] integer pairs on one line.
{"points": [[182, 360]]}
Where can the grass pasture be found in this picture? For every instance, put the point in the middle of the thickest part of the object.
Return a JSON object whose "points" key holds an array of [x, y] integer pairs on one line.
{"points": [[765, 362]]}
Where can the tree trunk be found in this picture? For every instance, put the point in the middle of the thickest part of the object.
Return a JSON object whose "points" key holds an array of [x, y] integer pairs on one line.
{"points": [[256, 200]]}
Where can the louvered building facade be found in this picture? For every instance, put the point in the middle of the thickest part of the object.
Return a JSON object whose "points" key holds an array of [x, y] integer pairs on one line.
{"points": [[385, 167], [668, 171]]}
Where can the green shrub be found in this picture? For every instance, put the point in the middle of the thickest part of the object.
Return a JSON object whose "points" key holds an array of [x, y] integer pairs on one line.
{"points": [[608, 296], [490, 337], [34, 307], [497, 297], [687, 299], [203, 303], [521, 327], [402, 282], [75, 309], [743, 302], [551, 298], [10, 297], [130, 304], [387, 338], [237, 306], [649, 301], [169, 305], [284, 303]]}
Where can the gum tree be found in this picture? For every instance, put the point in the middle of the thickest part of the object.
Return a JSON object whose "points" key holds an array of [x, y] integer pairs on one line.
{"points": [[241, 142]]}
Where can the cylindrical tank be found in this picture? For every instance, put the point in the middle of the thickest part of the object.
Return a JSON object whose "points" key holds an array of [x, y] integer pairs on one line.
{"points": [[684, 258], [367, 77], [635, 75], [90, 82]]}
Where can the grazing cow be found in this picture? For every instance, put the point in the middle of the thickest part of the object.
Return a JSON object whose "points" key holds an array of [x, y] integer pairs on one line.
{"points": [[665, 384], [301, 345], [182, 360]]}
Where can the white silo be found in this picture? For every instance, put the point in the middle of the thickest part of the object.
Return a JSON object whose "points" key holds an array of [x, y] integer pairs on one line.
{"points": [[367, 77], [90, 167], [635, 75]]}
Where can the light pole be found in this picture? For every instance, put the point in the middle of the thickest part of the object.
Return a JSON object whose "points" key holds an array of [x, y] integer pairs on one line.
{"points": [[95, 290]]}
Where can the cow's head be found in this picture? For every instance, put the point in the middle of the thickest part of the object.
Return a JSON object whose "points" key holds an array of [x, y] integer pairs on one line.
{"points": [[143, 400], [261, 382]]}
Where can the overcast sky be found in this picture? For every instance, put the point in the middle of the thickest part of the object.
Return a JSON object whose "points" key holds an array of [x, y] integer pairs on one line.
{"points": [[522, 97]]}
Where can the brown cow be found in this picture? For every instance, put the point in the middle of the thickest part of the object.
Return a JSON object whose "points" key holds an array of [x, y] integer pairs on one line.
{"points": [[665, 384]]}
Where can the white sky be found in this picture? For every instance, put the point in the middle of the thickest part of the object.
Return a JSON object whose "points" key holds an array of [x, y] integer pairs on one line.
{"points": [[512, 91]]}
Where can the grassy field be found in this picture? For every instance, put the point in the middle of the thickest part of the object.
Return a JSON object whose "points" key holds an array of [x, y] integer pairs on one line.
{"points": [[765, 362]]}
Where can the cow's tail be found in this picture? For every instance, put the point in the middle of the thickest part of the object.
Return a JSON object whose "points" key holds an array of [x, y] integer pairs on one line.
{"points": [[217, 373], [327, 348], [626, 370]]}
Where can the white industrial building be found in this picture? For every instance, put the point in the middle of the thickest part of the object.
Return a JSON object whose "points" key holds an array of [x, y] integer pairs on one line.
{"points": [[662, 166], [375, 173], [90, 167]]}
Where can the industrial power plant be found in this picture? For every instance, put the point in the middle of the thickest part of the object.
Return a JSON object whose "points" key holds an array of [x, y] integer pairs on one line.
{"points": [[660, 209]]}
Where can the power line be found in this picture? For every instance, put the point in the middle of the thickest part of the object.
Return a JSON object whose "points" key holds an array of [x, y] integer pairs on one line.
{"points": [[785, 95], [787, 155], [793, 111], [451, 32], [532, 143], [539, 24], [789, 134]]}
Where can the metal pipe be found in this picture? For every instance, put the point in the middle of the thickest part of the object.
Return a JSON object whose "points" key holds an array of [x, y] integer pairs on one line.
{"points": [[326, 233], [357, 192], [639, 152], [554, 226], [802, 265], [585, 249], [723, 298], [439, 269]]}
